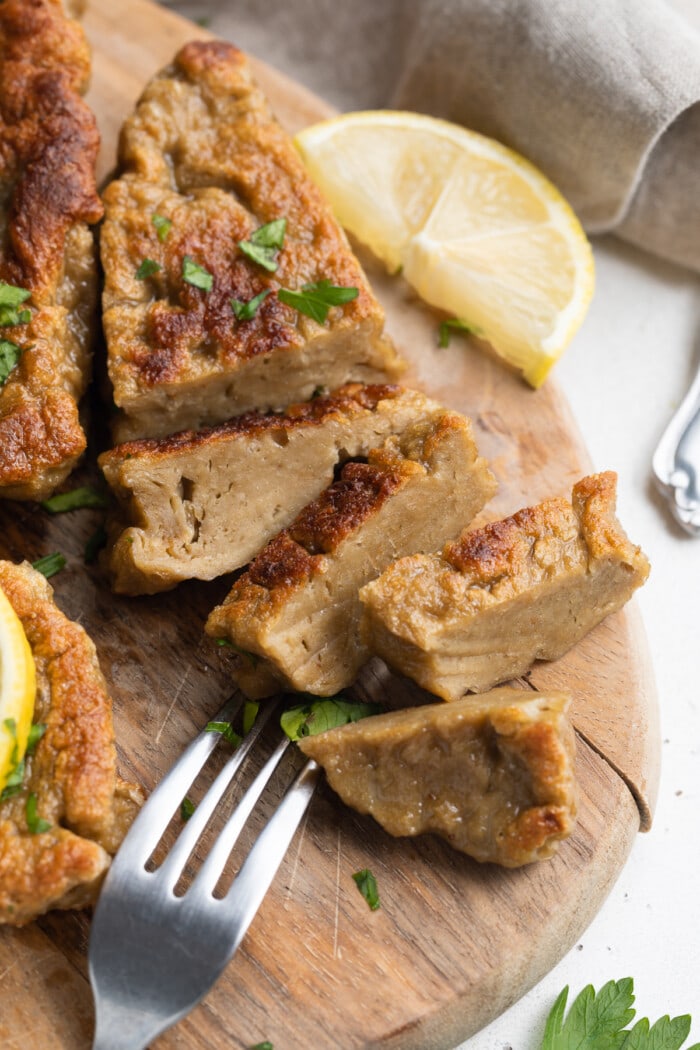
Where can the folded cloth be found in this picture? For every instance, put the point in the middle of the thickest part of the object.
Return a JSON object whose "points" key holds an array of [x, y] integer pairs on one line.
{"points": [[602, 95]]}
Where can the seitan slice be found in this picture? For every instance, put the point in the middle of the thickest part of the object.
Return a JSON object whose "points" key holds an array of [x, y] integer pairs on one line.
{"points": [[204, 152], [295, 611], [200, 504], [515, 591], [494, 774], [48, 198], [72, 771]]}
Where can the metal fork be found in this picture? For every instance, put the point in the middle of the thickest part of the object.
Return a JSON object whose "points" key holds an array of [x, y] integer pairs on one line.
{"points": [[153, 955]]}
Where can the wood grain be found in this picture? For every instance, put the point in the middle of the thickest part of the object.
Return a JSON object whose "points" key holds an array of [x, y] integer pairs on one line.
{"points": [[454, 943]]}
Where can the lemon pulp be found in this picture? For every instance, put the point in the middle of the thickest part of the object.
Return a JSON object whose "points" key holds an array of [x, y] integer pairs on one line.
{"points": [[17, 690]]}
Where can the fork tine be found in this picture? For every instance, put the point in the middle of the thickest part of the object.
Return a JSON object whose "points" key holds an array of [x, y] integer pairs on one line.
{"points": [[171, 868]]}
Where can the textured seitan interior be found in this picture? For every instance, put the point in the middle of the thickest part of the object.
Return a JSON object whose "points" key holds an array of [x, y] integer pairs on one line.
{"points": [[295, 611], [198, 505], [494, 774], [72, 771], [525, 588], [47, 198], [204, 151]]}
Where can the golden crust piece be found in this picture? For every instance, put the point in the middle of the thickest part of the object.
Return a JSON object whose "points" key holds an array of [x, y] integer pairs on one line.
{"points": [[494, 774], [525, 588], [72, 772], [47, 180], [202, 503], [295, 611], [204, 152]]}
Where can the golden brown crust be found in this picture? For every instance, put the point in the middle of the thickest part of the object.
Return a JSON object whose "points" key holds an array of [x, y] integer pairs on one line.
{"points": [[49, 147], [204, 151], [73, 770]]}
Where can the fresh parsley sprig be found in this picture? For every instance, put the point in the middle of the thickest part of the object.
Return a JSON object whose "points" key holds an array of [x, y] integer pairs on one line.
{"points": [[50, 564], [10, 354], [245, 310], [316, 298], [76, 499], [224, 729], [264, 243], [10, 298], [196, 275], [598, 1021], [367, 885], [35, 823], [319, 715], [162, 226], [146, 268]]}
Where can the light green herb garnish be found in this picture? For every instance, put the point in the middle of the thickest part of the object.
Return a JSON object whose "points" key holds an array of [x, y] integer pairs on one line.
{"points": [[94, 544], [226, 643], [598, 1021], [250, 713], [162, 225], [319, 715], [13, 784], [187, 808], [50, 564], [367, 885], [10, 354], [264, 243], [454, 324], [196, 275], [35, 823], [147, 268], [246, 311], [10, 298], [263, 1046], [36, 732], [226, 730], [76, 499], [315, 299]]}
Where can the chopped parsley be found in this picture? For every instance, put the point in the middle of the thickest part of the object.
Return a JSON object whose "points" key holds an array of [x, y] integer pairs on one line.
{"points": [[147, 268], [367, 885], [162, 225], [196, 275], [36, 732], [187, 808], [226, 643], [94, 545], [455, 324], [50, 564], [35, 823], [10, 354], [226, 730], [13, 784], [315, 299], [246, 310], [264, 243], [250, 713], [76, 499], [267, 1045], [322, 714], [10, 298]]}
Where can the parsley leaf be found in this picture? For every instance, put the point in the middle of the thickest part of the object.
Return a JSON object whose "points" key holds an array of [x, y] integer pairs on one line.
{"points": [[315, 299], [10, 354], [264, 242], [50, 564], [246, 310], [187, 808], [196, 275], [36, 732], [35, 823], [162, 225], [76, 499], [598, 1022], [322, 714], [10, 298], [367, 885], [147, 268], [226, 730], [457, 325], [267, 1045], [250, 713], [13, 784]]}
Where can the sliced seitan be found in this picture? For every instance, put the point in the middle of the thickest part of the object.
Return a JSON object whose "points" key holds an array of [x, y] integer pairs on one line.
{"points": [[200, 504], [493, 774], [47, 175], [72, 772], [295, 611], [515, 591], [204, 154]]}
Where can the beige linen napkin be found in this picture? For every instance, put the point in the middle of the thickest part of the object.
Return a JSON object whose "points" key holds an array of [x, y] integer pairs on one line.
{"points": [[602, 95]]}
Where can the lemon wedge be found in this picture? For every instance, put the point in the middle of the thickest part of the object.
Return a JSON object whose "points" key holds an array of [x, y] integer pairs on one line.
{"points": [[17, 690], [477, 230]]}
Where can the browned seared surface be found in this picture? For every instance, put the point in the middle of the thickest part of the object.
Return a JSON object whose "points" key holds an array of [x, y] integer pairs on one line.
{"points": [[505, 595], [494, 774], [72, 772], [295, 612], [204, 151], [199, 504], [47, 197]]}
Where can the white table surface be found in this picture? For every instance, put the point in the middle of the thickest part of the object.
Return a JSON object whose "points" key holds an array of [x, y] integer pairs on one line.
{"points": [[624, 374]]}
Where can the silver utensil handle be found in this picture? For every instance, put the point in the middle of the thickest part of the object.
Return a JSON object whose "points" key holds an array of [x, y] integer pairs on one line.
{"points": [[676, 462]]}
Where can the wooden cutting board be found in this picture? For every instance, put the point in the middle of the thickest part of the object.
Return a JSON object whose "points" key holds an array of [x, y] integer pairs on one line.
{"points": [[454, 943]]}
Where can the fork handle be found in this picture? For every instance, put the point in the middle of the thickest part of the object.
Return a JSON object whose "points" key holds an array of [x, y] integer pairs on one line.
{"points": [[676, 462]]}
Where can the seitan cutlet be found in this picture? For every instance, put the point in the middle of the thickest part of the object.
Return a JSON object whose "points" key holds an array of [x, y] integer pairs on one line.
{"points": [[48, 274], [295, 612], [212, 217], [71, 774], [523, 589]]}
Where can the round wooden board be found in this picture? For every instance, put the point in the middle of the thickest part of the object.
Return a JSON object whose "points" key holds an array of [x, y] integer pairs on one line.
{"points": [[454, 943]]}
